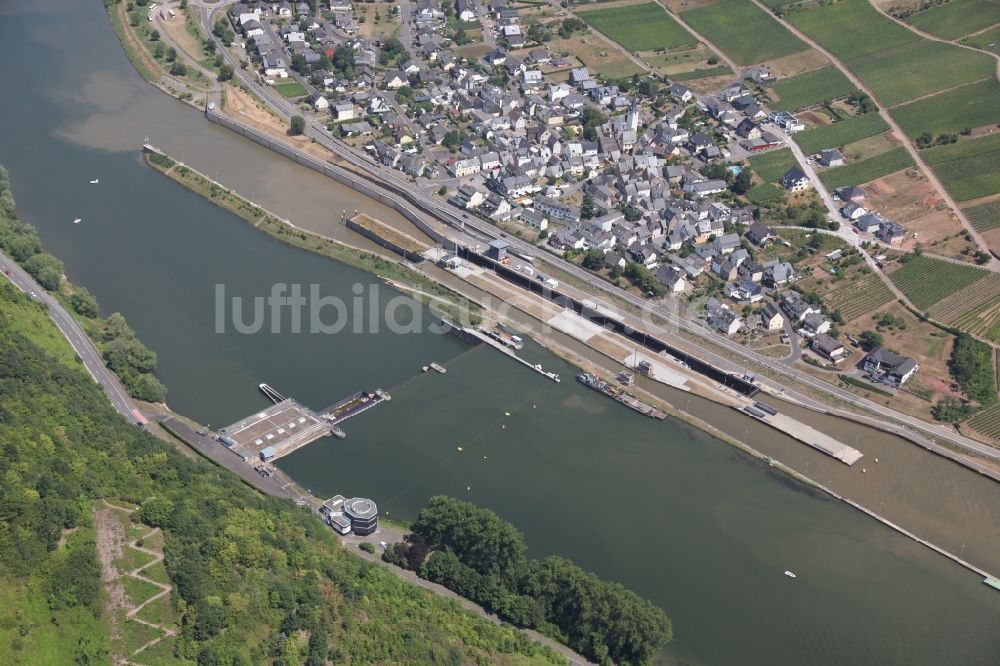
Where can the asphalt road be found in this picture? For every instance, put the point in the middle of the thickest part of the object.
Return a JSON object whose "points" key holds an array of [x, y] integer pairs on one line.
{"points": [[81, 344], [373, 173]]}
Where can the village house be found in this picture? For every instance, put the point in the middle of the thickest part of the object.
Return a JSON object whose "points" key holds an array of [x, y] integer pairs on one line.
{"points": [[828, 348], [886, 367]]}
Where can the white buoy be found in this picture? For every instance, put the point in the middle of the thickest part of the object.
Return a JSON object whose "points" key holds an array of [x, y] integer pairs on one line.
{"points": [[460, 449], [863, 470], [876, 460], [506, 413]]}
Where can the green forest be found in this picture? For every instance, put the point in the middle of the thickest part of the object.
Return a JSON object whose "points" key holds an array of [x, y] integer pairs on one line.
{"points": [[256, 580], [480, 556], [132, 361]]}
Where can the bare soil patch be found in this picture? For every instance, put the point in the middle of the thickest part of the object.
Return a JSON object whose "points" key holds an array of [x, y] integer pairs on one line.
{"points": [[910, 199], [243, 107], [797, 63]]}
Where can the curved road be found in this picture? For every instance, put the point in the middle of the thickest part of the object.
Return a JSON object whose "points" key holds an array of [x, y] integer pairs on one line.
{"points": [[81, 344], [374, 174], [883, 111]]}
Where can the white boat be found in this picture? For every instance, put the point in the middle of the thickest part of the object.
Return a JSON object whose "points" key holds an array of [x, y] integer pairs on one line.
{"points": [[791, 574], [78, 220], [95, 181]]}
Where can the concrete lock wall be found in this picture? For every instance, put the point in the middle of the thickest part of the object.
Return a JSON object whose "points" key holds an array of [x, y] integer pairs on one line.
{"points": [[415, 257], [355, 181], [359, 184]]}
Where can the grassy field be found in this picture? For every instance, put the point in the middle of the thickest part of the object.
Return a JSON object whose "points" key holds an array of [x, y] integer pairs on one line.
{"points": [[765, 194], [701, 73], [840, 134], [290, 89], [811, 88], [957, 18], [860, 297], [968, 169], [985, 216], [743, 31], [851, 29], [772, 165], [970, 106], [867, 170], [988, 40], [987, 422], [640, 27], [920, 68], [602, 59], [925, 281]]}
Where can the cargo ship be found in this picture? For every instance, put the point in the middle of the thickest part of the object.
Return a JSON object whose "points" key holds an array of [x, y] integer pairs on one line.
{"points": [[618, 395]]}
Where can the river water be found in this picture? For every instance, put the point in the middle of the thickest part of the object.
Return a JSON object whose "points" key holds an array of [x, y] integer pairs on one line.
{"points": [[690, 522]]}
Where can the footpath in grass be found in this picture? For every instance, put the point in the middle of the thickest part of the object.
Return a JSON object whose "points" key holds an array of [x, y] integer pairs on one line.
{"points": [[921, 68], [839, 134], [957, 18], [743, 31], [868, 170], [772, 165], [811, 88], [925, 280], [643, 27], [970, 106], [968, 169]]}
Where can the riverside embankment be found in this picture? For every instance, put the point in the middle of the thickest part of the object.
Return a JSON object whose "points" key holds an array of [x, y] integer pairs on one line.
{"points": [[684, 519]]}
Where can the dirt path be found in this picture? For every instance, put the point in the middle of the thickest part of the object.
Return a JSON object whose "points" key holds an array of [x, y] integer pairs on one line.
{"points": [[110, 542], [994, 265], [926, 35], [717, 51]]}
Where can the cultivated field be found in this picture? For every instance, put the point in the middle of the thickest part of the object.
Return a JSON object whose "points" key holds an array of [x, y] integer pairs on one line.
{"points": [[957, 18], [743, 31], [921, 68], [985, 216], [968, 169], [925, 280], [642, 27], [860, 297], [811, 88], [841, 133], [867, 170], [722, 70], [974, 310], [988, 40], [851, 29], [601, 57], [771, 166], [970, 106], [987, 422]]}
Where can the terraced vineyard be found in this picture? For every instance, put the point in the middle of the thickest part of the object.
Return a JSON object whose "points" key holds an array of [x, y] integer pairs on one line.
{"points": [[860, 297], [925, 280], [985, 216], [987, 422], [974, 310]]}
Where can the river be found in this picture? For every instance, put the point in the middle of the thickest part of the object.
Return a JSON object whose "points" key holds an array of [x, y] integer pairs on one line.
{"points": [[684, 519]]}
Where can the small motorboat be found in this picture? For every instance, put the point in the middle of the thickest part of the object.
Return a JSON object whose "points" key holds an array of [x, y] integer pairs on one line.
{"points": [[791, 574], [78, 220], [95, 181]]}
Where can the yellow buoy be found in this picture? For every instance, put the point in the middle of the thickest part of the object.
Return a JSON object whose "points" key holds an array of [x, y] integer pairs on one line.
{"points": [[460, 449]]}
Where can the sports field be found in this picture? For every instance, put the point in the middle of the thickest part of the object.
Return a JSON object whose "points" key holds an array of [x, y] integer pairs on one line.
{"points": [[840, 134], [957, 18], [771, 166], [851, 29], [969, 106], [921, 68], [968, 169], [868, 170], [743, 31], [811, 88], [925, 281], [643, 27]]}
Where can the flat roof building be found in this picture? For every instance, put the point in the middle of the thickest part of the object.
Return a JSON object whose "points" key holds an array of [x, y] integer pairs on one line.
{"points": [[363, 515]]}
